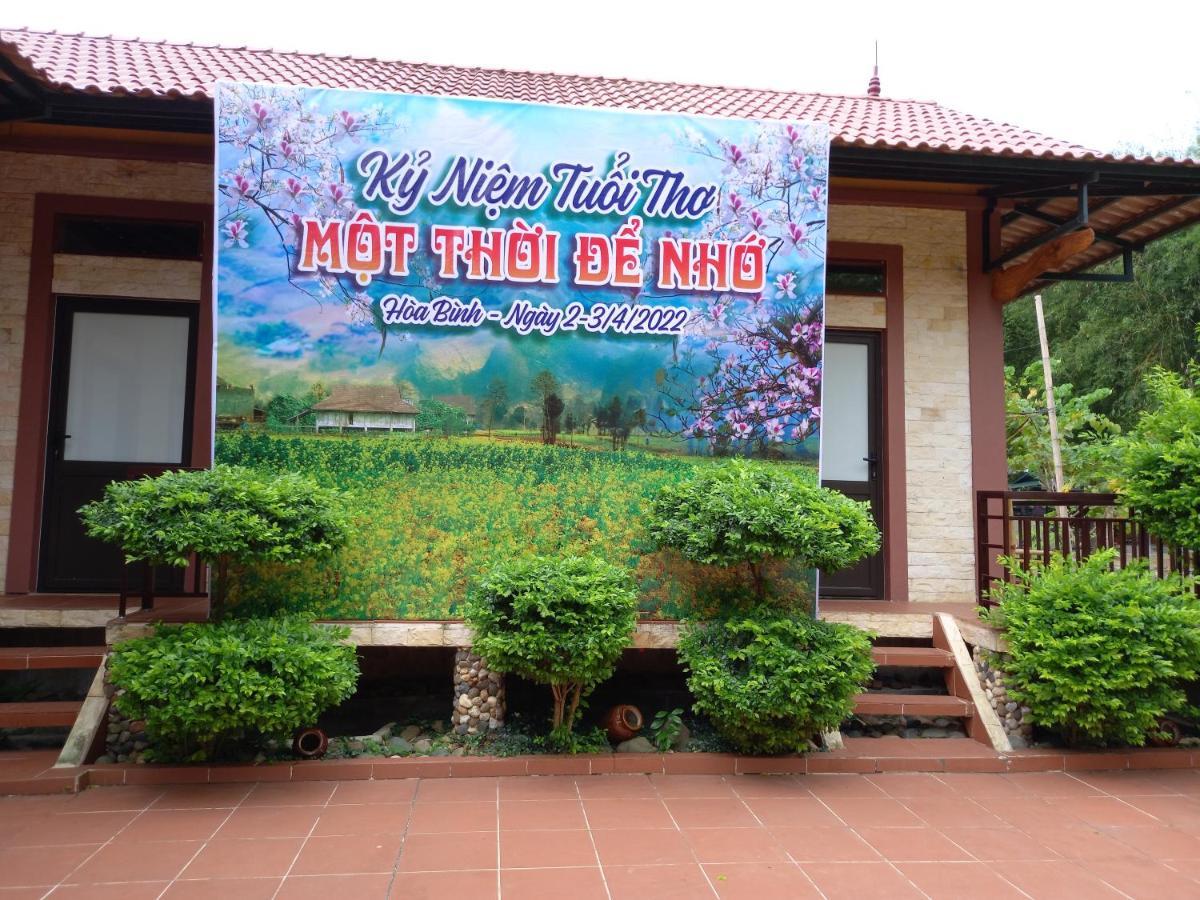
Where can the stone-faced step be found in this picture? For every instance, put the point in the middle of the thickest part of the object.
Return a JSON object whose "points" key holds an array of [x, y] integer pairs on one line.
{"points": [[19, 658], [39, 715], [892, 704], [913, 657]]}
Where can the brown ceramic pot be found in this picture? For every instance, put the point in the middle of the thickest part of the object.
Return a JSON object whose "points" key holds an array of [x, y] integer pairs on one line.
{"points": [[623, 722], [310, 743]]}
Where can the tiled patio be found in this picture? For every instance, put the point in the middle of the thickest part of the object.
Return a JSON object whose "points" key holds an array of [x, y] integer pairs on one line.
{"points": [[1053, 835]]}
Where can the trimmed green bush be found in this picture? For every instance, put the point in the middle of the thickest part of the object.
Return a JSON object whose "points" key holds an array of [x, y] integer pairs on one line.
{"points": [[1099, 655], [1158, 464], [770, 680], [203, 688], [744, 515], [226, 515], [562, 622]]}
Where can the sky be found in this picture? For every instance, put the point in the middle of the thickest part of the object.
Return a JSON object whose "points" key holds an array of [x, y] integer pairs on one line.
{"points": [[1106, 75]]}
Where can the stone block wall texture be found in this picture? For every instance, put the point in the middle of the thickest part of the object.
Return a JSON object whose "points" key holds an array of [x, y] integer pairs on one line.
{"points": [[22, 176], [478, 695], [937, 405], [937, 401]]}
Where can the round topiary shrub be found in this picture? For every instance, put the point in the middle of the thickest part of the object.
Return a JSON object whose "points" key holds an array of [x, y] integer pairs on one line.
{"points": [[744, 514], [557, 621], [770, 680], [205, 690], [1100, 655]]}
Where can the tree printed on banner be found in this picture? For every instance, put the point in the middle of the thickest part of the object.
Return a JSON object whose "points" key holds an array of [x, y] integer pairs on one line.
{"points": [[747, 374]]}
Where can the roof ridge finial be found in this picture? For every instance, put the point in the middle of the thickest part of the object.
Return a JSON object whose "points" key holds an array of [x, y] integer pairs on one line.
{"points": [[873, 88]]}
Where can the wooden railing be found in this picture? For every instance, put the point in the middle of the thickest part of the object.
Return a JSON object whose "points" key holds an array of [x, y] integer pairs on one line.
{"points": [[1029, 527]]}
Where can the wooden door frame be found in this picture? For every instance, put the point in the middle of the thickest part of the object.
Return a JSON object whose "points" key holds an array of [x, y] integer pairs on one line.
{"points": [[65, 307], [24, 545], [893, 465]]}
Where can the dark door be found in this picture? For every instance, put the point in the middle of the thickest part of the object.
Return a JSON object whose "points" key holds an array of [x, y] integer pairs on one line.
{"points": [[120, 407], [851, 430]]}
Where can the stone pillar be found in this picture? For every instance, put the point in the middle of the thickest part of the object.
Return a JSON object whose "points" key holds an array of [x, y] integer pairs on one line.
{"points": [[478, 695], [1014, 718]]}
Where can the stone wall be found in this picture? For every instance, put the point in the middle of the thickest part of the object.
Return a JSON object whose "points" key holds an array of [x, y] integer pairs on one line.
{"points": [[1014, 718], [22, 176], [937, 406], [478, 695]]}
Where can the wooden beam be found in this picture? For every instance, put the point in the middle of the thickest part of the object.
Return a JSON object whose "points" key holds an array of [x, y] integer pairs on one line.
{"points": [[1008, 283]]}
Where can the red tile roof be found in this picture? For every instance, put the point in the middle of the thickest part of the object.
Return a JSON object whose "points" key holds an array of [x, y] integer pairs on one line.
{"points": [[106, 65]]}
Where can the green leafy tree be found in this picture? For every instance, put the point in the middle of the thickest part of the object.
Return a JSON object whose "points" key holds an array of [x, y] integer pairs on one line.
{"points": [[562, 622], [1099, 654], [552, 410], [1158, 465], [742, 514], [441, 417], [228, 516], [771, 680], [1085, 436], [201, 688], [494, 403]]}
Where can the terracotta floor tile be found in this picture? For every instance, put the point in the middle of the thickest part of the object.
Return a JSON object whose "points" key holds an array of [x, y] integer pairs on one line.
{"points": [[998, 843], [642, 848], [1054, 880], [1143, 784], [68, 828], [481, 885], [614, 787], [1103, 811], [174, 825], [137, 861], [1081, 842], [860, 881], [201, 796], [809, 844], [125, 890], [877, 812], [438, 818], [670, 882], [290, 793], [96, 799], [541, 815], [1159, 842], [901, 785], [26, 893], [913, 844], [971, 784], [633, 812], [448, 852], [1051, 784], [955, 880], [1146, 882], [709, 813], [550, 884], [538, 787], [841, 786], [546, 849], [391, 790], [253, 858], [735, 845], [1183, 812], [951, 811], [761, 881], [348, 854], [1023, 811], [792, 811], [223, 888], [772, 786], [269, 822], [443, 790], [370, 818], [712, 787], [26, 866], [343, 887]]}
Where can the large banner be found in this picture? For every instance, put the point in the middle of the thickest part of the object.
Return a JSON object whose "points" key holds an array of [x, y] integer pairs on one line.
{"points": [[501, 327]]}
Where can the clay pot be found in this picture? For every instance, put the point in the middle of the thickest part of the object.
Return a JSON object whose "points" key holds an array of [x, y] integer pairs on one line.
{"points": [[623, 722], [1173, 734], [310, 743]]}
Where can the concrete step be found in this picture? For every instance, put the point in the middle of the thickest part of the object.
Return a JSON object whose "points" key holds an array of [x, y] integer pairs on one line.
{"points": [[913, 657], [883, 703], [39, 715], [19, 658]]}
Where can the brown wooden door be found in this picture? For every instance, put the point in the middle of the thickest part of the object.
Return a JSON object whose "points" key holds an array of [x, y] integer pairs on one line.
{"points": [[120, 407], [851, 451]]}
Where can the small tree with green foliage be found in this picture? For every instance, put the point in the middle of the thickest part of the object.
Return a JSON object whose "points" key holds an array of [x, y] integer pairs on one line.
{"points": [[226, 515], [770, 680], [441, 417], [562, 622], [1158, 465], [201, 688], [1099, 654], [743, 514]]}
